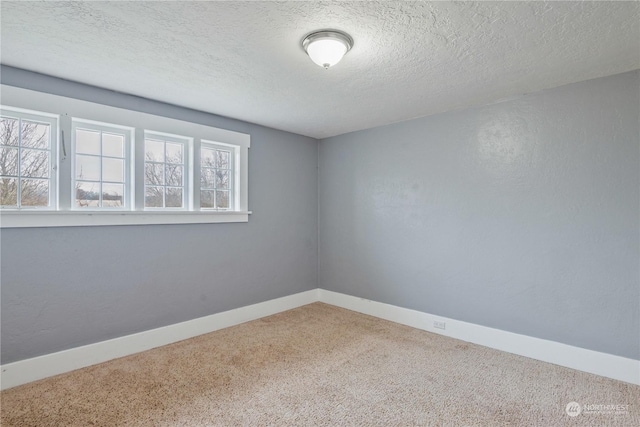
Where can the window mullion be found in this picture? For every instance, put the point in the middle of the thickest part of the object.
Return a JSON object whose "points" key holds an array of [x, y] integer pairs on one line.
{"points": [[196, 164], [54, 165], [65, 165], [189, 171], [164, 175], [137, 166], [101, 182], [19, 166], [216, 172], [232, 179]]}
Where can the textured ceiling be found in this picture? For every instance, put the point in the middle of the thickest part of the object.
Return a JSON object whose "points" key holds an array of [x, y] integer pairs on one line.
{"points": [[244, 60]]}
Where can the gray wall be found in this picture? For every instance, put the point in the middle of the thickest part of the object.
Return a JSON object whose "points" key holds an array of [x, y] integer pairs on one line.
{"points": [[65, 287], [522, 215]]}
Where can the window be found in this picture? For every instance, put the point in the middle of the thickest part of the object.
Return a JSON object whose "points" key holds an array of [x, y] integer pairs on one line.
{"points": [[27, 160], [165, 171], [216, 176], [101, 178], [67, 162]]}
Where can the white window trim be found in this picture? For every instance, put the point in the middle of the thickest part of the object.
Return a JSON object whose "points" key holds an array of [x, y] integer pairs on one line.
{"points": [[32, 218], [67, 108]]}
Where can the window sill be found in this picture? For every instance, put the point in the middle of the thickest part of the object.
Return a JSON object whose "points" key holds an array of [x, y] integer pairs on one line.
{"points": [[33, 219]]}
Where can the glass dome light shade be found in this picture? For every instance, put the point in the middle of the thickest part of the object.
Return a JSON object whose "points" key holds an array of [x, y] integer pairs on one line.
{"points": [[326, 52], [326, 48]]}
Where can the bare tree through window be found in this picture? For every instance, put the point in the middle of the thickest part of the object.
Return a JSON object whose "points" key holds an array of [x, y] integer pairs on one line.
{"points": [[215, 178], [24, 162], [164, 174]]}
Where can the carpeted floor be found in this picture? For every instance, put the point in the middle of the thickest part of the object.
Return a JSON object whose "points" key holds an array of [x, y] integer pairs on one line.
{"points": [[319, 365]]}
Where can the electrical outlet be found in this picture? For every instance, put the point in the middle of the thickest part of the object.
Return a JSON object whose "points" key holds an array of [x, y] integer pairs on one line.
{"points": [[438, 324]]}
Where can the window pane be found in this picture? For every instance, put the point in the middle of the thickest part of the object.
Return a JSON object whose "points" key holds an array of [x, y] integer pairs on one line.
{"points": [[174, 153], [101, 166], [112, 145], [34, 192], [222, 198], [87, 194], [222, 179], [112, 195], [207, 178], [35, 135], [153, 197], [9, 161], [153, 174], [9, 131], [112, 170], [88, 168], [8, 191], [222, 158], [207, 199], [153, 150], [208, 157], [87, 142], [174, 175], [173, 198], [34, 164]]}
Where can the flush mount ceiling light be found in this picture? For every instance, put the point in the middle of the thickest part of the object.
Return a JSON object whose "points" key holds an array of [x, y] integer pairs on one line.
{"points": [[327, 47]]}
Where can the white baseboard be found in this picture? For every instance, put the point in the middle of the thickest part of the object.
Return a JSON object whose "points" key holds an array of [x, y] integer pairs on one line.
{"points": [[603, 364], [25, 371]]}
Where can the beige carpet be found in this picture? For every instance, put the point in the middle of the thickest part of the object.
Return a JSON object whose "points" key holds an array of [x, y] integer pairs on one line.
{"points": [[320, 365]]}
